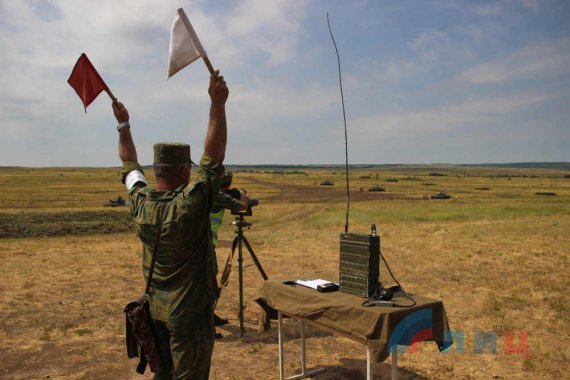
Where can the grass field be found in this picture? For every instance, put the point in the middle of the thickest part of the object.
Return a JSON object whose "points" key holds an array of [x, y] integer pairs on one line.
{"points": [[496, 253]]}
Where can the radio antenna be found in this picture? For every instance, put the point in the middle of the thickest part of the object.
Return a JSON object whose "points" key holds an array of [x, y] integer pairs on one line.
{"points": [[345, 133]]}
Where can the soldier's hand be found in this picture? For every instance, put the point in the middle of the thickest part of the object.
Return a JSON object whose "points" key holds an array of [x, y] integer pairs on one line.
{"points": [[121, 113], [218, 89]]}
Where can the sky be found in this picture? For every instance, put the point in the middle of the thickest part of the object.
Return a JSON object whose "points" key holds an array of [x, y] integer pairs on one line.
{"points": [[424, 81]]}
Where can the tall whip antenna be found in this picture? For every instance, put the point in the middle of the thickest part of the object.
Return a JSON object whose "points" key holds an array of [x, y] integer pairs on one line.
{"points": [[345, 133]]}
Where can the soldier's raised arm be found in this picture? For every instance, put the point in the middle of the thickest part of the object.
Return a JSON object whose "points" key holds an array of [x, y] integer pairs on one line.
{"points": [[216, 137], [127, 150]]}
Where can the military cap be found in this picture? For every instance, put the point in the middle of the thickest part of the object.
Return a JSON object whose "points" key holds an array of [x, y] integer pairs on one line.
{"points": [[171, 153]]}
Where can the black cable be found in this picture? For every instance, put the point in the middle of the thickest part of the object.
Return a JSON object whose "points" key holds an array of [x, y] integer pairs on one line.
{"points": [[345, 132], [406, 295], [389, 270], [376, 300]]}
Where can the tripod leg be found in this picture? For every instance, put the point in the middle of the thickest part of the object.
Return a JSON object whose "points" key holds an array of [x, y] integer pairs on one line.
{"points": [[255, 260], [240, 267], [264, 322]]}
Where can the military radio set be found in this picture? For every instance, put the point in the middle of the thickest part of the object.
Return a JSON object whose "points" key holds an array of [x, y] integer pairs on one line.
{"points": [[359, 269], [360, 255]]}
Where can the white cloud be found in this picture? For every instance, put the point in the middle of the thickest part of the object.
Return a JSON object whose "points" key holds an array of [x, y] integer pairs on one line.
{"points": [[429, 39], [430, 49], [488, 9], [534, 62], [503, 7], [265, 104], [269, 26], [447, 118]]}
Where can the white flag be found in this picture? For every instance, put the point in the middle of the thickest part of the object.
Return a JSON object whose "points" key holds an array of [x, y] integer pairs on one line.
{"points": [[185, 47]]}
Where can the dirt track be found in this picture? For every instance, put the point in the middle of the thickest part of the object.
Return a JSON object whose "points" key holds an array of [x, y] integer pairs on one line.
{"points": [[293, 193]]}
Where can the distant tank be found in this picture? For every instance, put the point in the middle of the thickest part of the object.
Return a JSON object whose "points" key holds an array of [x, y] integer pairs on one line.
{"points": [[116, 202], [326, 183], [440, 196], [376, 188]]}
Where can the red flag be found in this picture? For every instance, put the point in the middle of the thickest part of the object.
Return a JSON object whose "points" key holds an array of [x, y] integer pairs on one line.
{"points": [[86, 81]]}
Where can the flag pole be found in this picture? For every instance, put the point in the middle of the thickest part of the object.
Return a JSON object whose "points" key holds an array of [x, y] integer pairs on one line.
{"points": [[208, 64], [111, 95]]}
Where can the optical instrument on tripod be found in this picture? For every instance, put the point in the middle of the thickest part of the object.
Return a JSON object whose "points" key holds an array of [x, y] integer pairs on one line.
{"points": [[239, 241]]}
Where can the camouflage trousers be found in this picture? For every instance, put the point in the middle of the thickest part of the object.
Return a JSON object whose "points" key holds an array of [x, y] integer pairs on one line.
{"points": [[185, 346]]}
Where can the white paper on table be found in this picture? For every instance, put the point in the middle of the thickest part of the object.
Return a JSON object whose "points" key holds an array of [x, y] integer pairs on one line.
{"points": [[312, 283]]}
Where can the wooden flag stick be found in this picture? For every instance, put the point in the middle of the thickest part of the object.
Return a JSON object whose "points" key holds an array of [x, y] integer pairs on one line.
{"points": [[111, 95], [208, 64]]}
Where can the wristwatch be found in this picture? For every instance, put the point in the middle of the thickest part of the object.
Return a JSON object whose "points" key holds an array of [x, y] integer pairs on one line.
{"points": [[123, 125]]}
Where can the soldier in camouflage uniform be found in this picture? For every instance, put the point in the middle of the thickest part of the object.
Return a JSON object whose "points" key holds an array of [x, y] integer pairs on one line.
{"points": [[183, 288]]}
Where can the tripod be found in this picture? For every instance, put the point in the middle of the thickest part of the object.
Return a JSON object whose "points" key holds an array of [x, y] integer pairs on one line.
{"points": [[239, 241]]}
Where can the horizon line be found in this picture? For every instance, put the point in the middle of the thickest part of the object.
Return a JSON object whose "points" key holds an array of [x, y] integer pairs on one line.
{"points": [[520, 164]]}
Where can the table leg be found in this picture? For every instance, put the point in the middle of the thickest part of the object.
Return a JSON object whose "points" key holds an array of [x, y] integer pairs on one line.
{"points": [[303, 355], [304, 373], [395, 364], [368, 364], [279, 334]]}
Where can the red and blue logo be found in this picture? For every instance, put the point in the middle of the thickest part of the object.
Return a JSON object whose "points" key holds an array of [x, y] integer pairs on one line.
{"points": [[411, 330]]}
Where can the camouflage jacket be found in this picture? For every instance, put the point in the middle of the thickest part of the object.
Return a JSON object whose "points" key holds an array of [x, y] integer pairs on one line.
{"points": [[184, 278], [226, 201]]}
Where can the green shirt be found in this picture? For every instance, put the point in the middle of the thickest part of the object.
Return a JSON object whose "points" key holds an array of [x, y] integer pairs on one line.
{"points": [[184, 278]]}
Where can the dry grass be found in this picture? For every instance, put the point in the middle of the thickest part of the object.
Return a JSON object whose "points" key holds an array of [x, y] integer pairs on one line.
{"points": [[498, 258]]}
